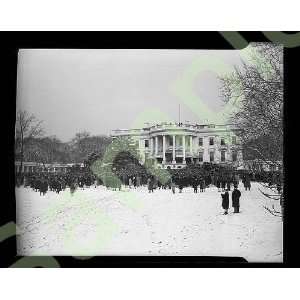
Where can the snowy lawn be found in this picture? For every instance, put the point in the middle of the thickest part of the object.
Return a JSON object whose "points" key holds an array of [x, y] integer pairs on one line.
{"points": [[97, 221]]}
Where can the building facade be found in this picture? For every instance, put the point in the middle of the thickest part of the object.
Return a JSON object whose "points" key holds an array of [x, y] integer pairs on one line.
{"points": [[174, 145], [32, 167]]}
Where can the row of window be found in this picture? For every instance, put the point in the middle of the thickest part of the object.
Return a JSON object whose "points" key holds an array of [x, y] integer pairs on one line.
{"points": [[212, 156], [211, 141]]}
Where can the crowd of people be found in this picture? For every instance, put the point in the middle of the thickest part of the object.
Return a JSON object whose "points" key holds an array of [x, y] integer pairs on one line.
{"points": [[42, 181]]}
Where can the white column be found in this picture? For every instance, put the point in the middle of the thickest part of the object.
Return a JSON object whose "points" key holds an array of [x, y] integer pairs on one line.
{"points": [[191, 145], [164, 148], [151, 146], [183, 147], [156, 145], [153, 149], [174, 145], [205, 149]]}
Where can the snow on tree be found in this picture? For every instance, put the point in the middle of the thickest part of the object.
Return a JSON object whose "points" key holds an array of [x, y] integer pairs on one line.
{"points": [[257, 88]]}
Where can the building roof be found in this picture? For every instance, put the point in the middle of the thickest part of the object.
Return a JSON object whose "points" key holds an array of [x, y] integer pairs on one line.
{"points": [[173, 126]]}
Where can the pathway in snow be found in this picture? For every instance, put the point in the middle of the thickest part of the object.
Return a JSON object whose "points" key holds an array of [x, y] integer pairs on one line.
{"points": [[96, 221]]}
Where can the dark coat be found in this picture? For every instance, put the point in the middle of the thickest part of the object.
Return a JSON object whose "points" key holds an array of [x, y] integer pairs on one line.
{"points": [[247, 183], [202, 184], [150, 184], [236, 194], [225, 200]]}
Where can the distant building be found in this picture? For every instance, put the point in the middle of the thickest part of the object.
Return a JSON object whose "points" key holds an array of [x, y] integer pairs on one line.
{"points": [[174, 145], [30, 167]]}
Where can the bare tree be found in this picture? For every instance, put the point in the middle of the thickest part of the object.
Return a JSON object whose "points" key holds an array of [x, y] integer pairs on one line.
{"points": [[83, 145], [27, 128], [257, 91], [257, 88], [46, 150]]}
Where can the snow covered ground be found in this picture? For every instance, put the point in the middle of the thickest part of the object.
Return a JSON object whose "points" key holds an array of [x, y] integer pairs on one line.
{"points": [[97, 221]]}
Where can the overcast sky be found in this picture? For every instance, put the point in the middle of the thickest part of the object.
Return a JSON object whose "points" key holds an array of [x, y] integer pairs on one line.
{"points": [[101, 90]]}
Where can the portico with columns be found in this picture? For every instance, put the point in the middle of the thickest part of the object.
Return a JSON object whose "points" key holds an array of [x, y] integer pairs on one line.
{"points": [[171, 148]]}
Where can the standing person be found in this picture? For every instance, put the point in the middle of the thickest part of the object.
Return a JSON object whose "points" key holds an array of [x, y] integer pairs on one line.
{"points": [[195, 185], [223, 183], [150, 185], [278, 187], [44, 186], [228, 183], [158, 184], [58, 186], [134, 182], [180, 185], [218, 183], [72, 187], [247, 183], [236, 179], [236, 194], [138, 181], [154, 180], [173, 186], [278, 184], [202, 185], [130, 182], [39, 185], [225, 201]]}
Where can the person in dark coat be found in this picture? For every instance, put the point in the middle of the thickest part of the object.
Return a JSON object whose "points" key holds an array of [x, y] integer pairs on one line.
{"points": [[180, 185], [173, 186], [138, 181], [58, 186], [247, 183], [72, 187], [223, 183], [228, 184], [236, 194], [44, 187], [134, 181], [159, 184], [195, 186], [218, 183], [202, 185], [150, 185], [225, 202]]}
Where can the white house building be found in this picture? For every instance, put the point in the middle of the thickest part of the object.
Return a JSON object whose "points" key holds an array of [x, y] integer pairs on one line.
{"points": [[174, 145]]}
